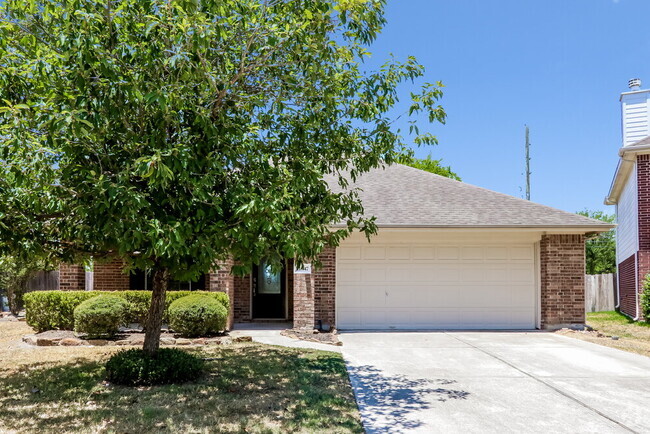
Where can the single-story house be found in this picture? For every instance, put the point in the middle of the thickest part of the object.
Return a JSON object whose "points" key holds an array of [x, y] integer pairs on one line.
{"points": [[448, 255]]}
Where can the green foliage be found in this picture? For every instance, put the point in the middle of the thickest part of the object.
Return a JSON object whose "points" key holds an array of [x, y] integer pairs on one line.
{"points": [[601, 250], [54, 310], [100, 316], [645, 299], [197, 315], [15, 274], [177, 133], [428, 164], [170, 365], [194, 131]]}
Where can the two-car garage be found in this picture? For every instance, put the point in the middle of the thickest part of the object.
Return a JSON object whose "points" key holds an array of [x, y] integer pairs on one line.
{"points": [[420, 280]]}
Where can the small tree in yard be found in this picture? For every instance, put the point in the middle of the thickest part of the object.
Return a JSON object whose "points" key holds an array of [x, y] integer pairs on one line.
{"points": [[176, 133], [600, 251]]}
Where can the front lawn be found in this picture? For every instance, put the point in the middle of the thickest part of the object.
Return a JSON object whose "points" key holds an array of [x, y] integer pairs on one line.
{"points": [[248, 388], [632, 336]]}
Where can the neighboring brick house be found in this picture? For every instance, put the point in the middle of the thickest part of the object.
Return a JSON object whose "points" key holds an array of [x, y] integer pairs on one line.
{"points": [[448, 255], [630, 192]]}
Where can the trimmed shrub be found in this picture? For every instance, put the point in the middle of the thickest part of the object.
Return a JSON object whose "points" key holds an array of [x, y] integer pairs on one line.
{"points": [[100, 316], [54, 310], [645, 299], [170, 365], [197, 315]]}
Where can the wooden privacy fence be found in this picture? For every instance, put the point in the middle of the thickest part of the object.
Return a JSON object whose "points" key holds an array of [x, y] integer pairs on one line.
{"points": [[44, 281], [600, 292]]}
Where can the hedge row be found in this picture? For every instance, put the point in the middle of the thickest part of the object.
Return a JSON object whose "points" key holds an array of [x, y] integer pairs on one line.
{"points": [[54, 310]]}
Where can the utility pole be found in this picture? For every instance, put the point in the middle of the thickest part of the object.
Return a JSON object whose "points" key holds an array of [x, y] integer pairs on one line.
{"points": [[527, 164]]}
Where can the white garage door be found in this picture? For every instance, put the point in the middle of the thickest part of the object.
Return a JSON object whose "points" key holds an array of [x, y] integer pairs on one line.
{"points": [[418, 286]]}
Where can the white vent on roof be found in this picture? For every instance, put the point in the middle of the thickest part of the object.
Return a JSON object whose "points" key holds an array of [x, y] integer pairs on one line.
{"points": [[634, 84]]}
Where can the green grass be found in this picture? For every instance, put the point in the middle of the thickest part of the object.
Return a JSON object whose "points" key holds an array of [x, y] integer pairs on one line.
{"points": [[612, 317], [247, 388], [633, 336]]}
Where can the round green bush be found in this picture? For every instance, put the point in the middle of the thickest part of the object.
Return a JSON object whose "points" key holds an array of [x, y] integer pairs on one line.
{"points": [[100, 316], [197, 315], [170, 365]]}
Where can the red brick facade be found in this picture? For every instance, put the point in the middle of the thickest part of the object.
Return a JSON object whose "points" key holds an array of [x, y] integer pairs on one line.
{"points": [[325, 285], [109, 276], [627, 286], [643, 197], [562, 272], [72, 277], [312, 297]]}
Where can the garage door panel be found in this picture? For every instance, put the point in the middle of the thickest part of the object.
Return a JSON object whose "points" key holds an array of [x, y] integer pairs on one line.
{"points": [[493, 253], [403, 253], [445, 273], [399, 297], [447, 253], [522, 253], [375, 273], [423, 252], [472, 253], [374, 253], [436, 287], [522, 274]]}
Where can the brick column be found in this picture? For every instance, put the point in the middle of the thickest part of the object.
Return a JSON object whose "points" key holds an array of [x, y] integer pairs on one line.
{"points": [[325, 287], [562, 280], [108, 275], [221, 279], [72, 277], [303, 301]]}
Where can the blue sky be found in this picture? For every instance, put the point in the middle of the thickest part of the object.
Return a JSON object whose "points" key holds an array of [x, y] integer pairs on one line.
{"points": [[557, 65]]}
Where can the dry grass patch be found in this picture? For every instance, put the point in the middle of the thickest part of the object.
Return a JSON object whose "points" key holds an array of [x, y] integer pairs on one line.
{"points": [[632, 336], [247, 388]]}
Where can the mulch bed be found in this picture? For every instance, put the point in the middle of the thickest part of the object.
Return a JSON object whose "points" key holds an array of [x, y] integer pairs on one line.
{"points": [[313, 336], [69, 338]]}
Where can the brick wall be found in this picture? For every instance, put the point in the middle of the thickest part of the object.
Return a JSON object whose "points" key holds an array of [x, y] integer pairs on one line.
{"points": [[304, 301], [562, 280], [243, 298], [627, 286], [72, 277], [325, 287], [222, 280], [108, 276], [643, 192]]}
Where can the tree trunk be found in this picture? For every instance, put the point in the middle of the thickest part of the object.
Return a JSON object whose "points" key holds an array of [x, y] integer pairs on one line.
{"points": [[156, 310]]}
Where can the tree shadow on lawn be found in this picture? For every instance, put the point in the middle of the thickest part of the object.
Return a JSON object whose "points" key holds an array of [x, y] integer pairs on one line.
{"points": [[392, 402], [247, 387]]}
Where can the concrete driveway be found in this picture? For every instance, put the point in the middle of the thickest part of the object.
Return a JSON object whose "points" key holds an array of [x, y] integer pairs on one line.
{"points": [[495, 382]]}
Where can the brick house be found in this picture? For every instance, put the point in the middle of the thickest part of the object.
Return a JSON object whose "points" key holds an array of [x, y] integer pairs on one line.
{"points": [[448, 255], [630, 192]]}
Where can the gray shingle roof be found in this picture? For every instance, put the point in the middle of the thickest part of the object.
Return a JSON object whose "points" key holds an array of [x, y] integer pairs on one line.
{"points": [[399, 195]]}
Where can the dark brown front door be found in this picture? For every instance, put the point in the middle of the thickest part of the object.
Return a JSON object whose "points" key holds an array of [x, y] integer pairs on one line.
{"points": [[269, 290]]}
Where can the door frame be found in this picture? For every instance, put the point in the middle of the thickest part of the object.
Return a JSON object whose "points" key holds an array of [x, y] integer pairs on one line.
{"points": [[286, 296]]}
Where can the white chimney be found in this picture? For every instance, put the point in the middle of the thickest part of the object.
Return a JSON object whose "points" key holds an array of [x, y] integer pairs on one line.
{"points": [[635, 111]]}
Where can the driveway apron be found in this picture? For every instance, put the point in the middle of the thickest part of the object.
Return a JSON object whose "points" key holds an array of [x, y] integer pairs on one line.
{"points": [[495, 382]]}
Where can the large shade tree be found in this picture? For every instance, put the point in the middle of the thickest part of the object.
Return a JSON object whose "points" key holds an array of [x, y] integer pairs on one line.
{"points": [[176, 133]]}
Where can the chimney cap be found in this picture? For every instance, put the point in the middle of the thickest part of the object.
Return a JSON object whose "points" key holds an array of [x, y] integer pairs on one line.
{"points": [[634, 84]]}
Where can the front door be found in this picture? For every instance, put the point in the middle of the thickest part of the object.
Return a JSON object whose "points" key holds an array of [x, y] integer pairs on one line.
{"points": [[269, 289]]}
